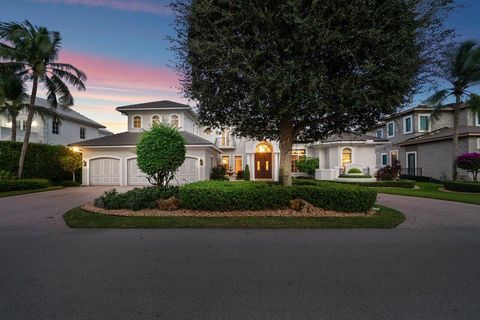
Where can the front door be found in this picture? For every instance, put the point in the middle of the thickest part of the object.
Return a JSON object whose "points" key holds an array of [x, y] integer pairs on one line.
{"points": [[263, 165]]}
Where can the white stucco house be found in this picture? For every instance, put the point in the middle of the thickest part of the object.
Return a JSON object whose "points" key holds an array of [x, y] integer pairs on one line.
{"points": [[111, 160], [69, 126]]}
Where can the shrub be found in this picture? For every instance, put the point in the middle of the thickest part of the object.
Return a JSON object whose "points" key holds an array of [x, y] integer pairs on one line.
{"points": [[471, 163], [226, 196], [239, 175], [70, 183], [135, 199], [161, 151], [393, 184], [218, 173], [246, 173], [307, 165], [5, 175], [23, 184], [420, 178], [333, 196], [461, 186], [354, 170], [354, 176], [389, 172], [71, 162]]}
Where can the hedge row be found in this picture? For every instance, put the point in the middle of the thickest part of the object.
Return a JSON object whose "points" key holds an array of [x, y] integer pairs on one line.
{"points": [[135, 199], [354, 176], [23, 184], [385, 183], [225, 196], [461, 186], [420, 178]]}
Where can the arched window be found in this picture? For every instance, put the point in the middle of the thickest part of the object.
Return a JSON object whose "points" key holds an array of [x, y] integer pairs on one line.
{"points": [[156, 119], [263, 148], [137, 122], [346, 157], [207, 131], [174, 121]]}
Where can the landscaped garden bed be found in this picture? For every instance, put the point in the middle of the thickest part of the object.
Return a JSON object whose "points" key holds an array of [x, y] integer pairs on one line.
{"points": [[462, 186]]}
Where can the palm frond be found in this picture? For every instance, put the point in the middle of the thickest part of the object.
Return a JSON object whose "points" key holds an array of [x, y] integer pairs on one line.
{"points": [[72, 79], [436, 113], [461, 55], [71, 69], [64, 97], [473, 103], [437, 98]]}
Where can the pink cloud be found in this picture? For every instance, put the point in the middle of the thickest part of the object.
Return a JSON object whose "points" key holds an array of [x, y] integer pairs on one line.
{"points": [[125, 5]]}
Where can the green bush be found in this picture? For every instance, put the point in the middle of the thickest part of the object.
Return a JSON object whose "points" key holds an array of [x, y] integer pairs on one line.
{"points": [[23, 184], [5, 175], [70, 183], [337, 197], [135, 199], [241, 195], [218, 173], [354, 170], [239, 175], [246, 173], [462, 186], [387, 183], [359, 176]]}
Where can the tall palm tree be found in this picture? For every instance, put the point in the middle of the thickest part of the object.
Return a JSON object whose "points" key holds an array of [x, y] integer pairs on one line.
{"points": [[463, 73], [33, 52], [13, 89]]}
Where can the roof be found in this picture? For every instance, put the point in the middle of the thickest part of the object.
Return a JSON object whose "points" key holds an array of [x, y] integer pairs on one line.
{"points": [[162, 104], [442, 134], [67, 113], [132, 138], [354, 137]]}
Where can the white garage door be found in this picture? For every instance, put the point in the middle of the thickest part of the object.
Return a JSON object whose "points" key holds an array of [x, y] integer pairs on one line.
{"points": [[105, 171], [135, 176], [188, 172]]}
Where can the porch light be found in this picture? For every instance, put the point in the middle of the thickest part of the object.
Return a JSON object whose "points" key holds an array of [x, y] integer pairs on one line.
{"points": [[75, 149]]}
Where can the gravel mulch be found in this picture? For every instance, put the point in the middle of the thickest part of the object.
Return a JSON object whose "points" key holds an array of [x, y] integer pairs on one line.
{"points": [[311, 211]]}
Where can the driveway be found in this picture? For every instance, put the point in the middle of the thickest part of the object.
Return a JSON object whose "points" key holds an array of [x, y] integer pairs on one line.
{"points": [[426, 269]]}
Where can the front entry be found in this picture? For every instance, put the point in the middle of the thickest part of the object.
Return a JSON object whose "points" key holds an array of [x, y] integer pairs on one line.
{"points": [[263, 165]]}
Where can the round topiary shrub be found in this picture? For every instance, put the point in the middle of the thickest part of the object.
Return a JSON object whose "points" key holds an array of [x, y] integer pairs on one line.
{"points": [[161, 151]]}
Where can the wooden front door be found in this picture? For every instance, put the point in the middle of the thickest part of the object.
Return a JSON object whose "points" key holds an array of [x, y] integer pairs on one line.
{"points": [[263, 166]]}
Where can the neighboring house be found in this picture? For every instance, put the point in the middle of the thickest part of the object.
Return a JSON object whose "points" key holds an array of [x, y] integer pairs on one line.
{"points": [[423, 146], [112, 160], [70, 126]]}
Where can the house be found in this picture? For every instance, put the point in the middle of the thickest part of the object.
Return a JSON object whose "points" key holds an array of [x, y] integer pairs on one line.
{"points": [[424, 146], [112, 160], [67, 127]]}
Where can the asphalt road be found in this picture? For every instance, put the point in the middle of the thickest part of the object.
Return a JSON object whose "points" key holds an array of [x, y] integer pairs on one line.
{"points": [[426, 269]]}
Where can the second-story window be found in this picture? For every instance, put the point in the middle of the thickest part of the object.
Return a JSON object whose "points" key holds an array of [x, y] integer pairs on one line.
{"points": [[390, 129], [380, 133], [423, 123], [156, 119], [207, 131], [82, 133], [137, 122], [407, 125], [477, 119], [174, 121], [55, 126]]}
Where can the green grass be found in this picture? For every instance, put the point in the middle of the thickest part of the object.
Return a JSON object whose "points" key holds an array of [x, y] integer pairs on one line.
{"points": [[430, 190], [78, 218], [19, 192]]}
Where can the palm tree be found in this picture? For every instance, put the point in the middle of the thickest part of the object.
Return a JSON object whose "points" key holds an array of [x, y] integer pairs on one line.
{"points": [[463, 73], [14, 95], [33, 52]]}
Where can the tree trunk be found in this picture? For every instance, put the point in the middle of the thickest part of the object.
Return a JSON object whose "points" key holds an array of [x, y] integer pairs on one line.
{"points": [[14, 128], [28, 129], [286, 143], [73, 176], [456, 112]]}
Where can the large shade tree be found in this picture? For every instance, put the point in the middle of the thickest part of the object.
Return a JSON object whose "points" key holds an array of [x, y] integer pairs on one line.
{"points": [[304, 69], [33, 52], [462, 73]]}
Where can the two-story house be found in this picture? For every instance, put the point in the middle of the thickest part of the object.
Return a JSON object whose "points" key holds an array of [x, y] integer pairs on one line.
{"points": [[112, 160], [423, 145], [67, 127]]}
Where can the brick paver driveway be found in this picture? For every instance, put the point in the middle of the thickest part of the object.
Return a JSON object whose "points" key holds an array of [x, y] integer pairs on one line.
{"points": [[428, 268]]}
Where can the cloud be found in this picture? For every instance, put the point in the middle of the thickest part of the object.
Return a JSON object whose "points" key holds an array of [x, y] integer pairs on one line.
{"points": [[153, 7]]}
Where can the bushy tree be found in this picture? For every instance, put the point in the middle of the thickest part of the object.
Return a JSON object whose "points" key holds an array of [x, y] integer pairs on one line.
{"points": [[308, 165], [71, 162], [471, 163], [390, 172], [304, 70], [13, 89], [160, 152], [246, 173]]}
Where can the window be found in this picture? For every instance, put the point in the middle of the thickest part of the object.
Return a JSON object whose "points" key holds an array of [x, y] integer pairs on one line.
{"points": [[156, 119], [423, 123], [55, 126], [477, 122], [82, 133], [390, 129], [21, 125], [226, 162], [346, 157], [207, 131], [174, 121], [225, 141], [137, 122], [478, 143], [384, 157], [296, 155], [393, 156], [263, 148], [380, 133], [238, 163], [407, 125]]}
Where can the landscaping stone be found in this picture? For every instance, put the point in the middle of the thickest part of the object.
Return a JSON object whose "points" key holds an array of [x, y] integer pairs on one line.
{"points": [[170, 204]]}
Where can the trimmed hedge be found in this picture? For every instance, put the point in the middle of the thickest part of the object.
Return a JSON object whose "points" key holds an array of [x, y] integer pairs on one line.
{"points": [[354, 176], [23, 184], [386, 183], [420, 178], [135, 199], [462, 186], [241, 195]]}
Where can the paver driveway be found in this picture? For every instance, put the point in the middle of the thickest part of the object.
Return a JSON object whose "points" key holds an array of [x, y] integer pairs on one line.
{"points": [[429, 268]]}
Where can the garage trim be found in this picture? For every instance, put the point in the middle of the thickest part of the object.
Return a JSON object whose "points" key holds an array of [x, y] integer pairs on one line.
{"points": [[104, 156]]}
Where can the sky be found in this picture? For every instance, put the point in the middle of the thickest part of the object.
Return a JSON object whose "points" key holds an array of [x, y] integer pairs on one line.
{"points": [[122, 46]]}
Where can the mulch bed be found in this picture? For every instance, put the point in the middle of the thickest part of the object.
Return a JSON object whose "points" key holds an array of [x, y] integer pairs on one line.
{"points": [[308, 211]]}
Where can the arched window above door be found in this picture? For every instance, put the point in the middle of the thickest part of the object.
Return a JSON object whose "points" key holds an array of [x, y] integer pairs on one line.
{"points": [[263, 148]]}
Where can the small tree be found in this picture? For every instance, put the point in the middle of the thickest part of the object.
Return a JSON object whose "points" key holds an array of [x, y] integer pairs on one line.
{"points": [[471, 163], [71, 162], [246, 173], [389, 172], [308, 165], [161, 152]]}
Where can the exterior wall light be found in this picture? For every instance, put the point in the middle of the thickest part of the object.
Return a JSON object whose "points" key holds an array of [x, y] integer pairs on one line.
{"points": [[201, 162], [84, 163]]}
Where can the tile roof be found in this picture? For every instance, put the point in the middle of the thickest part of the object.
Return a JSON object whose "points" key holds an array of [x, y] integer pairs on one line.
{"points": [[442, 134], [162, 104], [354, 137]]}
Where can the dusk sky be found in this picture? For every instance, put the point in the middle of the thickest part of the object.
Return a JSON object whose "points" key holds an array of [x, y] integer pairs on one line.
{"points": [[122, 47]]}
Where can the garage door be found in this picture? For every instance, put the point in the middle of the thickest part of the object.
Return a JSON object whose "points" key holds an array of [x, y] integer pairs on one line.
{"points": [[105, 171], [188, 172], [134, 175]]}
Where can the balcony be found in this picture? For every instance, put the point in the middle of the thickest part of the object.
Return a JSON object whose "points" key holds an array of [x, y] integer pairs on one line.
{"points": [[225, 142]]}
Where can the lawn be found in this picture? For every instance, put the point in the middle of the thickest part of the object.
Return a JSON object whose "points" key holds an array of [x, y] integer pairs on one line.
{"points": [[386, 218], [19, 192], [430, 190]]}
